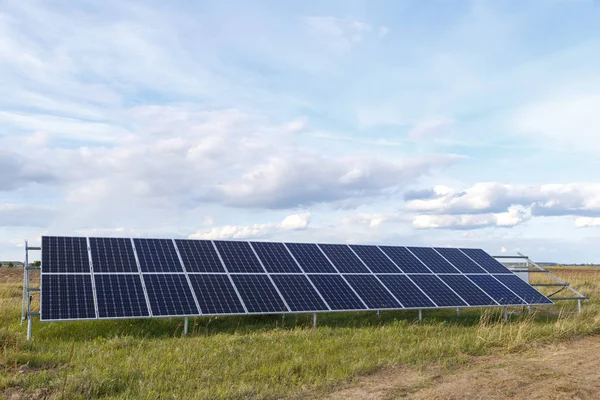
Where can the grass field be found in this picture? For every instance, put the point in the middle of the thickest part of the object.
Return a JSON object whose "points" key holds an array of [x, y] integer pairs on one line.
{"points": [[261, 357]]}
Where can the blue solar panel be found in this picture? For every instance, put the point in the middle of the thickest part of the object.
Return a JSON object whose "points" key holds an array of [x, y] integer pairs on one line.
{"points": [[336, 292], [170, 295], [67, 297], [157, 255], [523, 290], [433, 260], [199, 256], [495, 289], [468, 290], [310, 258], [405, 291], [216, 294], [298, 293], [463, 263], [258, 294], [275, 257], [200, 277], [372, 292], [404, 259], [65, 254], [441, 294], [487, 262], [238, 256], [120, 295], [375, 259], [112, 255], [343, 258]]}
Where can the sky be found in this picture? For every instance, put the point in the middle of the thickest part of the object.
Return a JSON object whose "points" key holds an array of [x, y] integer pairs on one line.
{"points": [[430, 123]]}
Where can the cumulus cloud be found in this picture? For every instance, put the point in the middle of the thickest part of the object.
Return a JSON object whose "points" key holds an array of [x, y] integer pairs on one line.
{"points": [[306, 179], [514, 216], [544, 200], [502, 205], [298, 221]]}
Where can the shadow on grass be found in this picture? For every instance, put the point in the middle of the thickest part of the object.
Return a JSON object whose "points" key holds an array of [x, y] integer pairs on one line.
{"points": [[207, 326]]}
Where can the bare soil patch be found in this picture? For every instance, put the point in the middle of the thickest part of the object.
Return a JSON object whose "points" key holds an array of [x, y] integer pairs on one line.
{"points": [[565, 370]]}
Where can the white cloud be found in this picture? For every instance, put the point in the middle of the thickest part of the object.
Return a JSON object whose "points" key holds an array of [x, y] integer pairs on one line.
{"points": [[571, 121], [291, 222], [374, 220], [343, 32], [587, 222], [296, 221], [543, 200], [383, 31], [514, 216], [429, 128]]}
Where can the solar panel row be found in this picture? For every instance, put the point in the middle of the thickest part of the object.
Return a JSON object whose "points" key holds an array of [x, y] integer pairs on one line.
{"points": [[160, 277]]}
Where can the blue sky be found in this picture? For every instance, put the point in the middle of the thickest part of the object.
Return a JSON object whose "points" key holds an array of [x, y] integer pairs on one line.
{"points": [[447, 123]]}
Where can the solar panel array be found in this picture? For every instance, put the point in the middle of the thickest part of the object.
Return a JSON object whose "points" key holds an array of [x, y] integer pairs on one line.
{"points": [[89, 278]]}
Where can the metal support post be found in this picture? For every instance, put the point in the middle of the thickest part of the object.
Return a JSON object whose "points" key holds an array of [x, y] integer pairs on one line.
{"points": [[420, 316], [458, 312], [579, 306], [378, 313], [185, 326], [529, 309], [506, 314], [314, 320], [25, 284]]}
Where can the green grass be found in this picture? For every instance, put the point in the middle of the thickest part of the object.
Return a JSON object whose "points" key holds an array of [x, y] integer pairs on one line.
{"points": [[258, 357]]}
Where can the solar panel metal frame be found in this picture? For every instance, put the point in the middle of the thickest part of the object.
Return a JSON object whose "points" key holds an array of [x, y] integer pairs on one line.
{"points": [[229, 274]]}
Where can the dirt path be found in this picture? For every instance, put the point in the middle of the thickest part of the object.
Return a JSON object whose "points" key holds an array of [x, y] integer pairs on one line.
{"points": [[568, 370]]}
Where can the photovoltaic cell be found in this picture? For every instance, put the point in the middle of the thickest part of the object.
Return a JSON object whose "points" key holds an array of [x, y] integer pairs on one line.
{"points": [[441, 294], [433, 260], [157, 255], [372, 292], [199, 256], [463, 263], [275, 257], [405, 291], [238, 256], [310, 258], [404, 259], [113, 255], [336, 292], [496, 290], [298, 293], [170, 294], [375, 259], [216, 294], [258, 294], [487, 262], [343, 258], [65, 254], [120, 295], [468, 290], [67, 297], [523, 290]]}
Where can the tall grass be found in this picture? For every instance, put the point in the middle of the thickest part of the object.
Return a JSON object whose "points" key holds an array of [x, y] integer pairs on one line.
{"points": [[259, 357]]}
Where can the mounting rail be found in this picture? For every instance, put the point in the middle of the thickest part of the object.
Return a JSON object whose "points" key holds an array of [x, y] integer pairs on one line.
{"points": [[532, 267]]}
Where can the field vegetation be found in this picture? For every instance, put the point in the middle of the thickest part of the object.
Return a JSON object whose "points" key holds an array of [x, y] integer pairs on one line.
{"points": [[262, 357]]}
